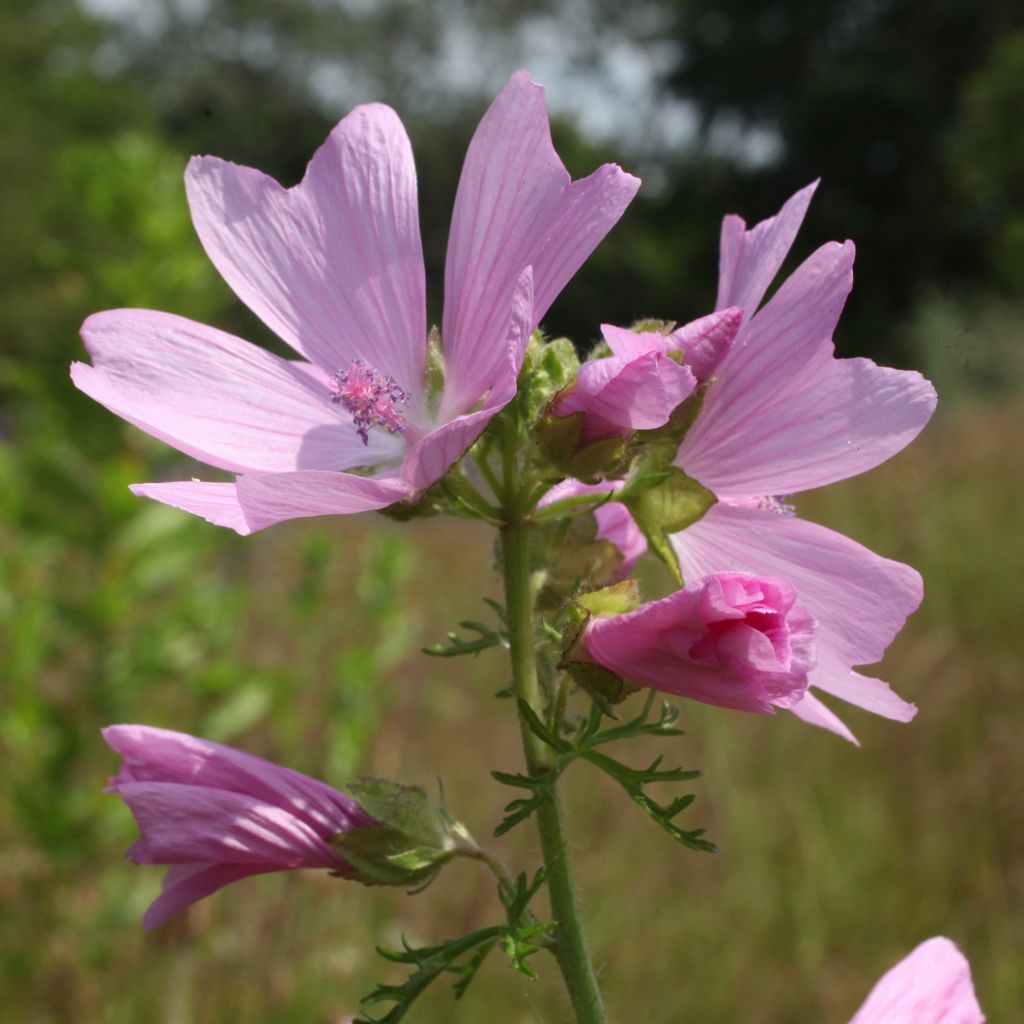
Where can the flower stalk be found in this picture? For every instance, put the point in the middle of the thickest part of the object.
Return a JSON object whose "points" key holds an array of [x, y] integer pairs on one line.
{"points": [[571, 948]]}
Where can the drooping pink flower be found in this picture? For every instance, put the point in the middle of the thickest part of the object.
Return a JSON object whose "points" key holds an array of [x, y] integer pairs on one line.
{"points": [[729, 639], [215, 815], [334, 267], [783, 415], [930, 986]]}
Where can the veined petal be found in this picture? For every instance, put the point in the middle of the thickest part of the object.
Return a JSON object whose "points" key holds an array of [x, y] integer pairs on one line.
{"points": [[633, 344], [182, 824], [859, 599], [430, 458], [516, 206], [217, 503], [834, 418], [930, 986], [185, 884], [162, 755], [217, 397], [770, 350], [334, 265], [270, 498], [749, 260]]}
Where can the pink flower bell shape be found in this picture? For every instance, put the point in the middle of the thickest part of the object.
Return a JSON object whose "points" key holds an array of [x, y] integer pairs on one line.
{"points": [[730, 639], [930, 986], [215, 815], [334, 267]]}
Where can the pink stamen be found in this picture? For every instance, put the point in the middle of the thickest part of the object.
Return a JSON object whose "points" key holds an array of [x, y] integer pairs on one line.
{"points": [[371, 398]]}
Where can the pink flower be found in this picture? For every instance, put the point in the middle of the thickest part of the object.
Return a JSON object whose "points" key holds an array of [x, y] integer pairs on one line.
{"points": [[783, 415], [733, 640], [334, 267], [627, 392], [702, 343], [215, 815], [930, 986]]}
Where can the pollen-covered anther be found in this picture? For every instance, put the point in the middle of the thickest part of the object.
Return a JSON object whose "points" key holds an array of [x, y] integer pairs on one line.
{"points": [[372, 398]]}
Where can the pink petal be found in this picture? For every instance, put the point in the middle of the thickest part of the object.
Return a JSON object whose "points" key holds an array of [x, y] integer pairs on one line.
{"points": [[516, 206], [270, 498], [812, 711], [633, 344], [770, 350], [182, 824], [620, 393], [333, 265], [218, 398], [161, 755], [859, 599], [834, 418], [705, 342], [749, 260], [185, 884], [930, 986], [217, 503], [430, 458]]}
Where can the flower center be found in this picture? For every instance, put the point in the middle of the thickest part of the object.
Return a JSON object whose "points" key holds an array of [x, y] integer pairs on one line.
{"points": [[371, 398]]}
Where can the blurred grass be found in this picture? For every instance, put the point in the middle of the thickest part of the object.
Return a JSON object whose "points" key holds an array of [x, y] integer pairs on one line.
{"points": [[301, 645]]}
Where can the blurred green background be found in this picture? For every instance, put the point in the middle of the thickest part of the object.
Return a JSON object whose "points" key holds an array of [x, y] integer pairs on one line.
{"points": [[301, 644]]}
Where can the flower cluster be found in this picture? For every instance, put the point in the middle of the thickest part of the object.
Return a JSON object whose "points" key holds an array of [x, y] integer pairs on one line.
{"points": [[687, 442]]}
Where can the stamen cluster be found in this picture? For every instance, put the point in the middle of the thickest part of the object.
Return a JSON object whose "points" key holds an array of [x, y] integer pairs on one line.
{"points": [[370, 397]]}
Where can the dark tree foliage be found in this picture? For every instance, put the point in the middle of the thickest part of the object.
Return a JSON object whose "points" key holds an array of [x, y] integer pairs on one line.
{"points": [[867, 95]]}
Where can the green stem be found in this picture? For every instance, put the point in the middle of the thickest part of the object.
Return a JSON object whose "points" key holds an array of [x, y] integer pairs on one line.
{"points": [[571, 943]]}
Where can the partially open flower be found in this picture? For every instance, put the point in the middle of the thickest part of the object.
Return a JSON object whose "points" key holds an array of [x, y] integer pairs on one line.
{"points": [[215, 815], [930, 986], [729, 639]]}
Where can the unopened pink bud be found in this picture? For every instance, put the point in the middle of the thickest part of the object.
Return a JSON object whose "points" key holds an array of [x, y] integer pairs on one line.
{"points": [[729, 639]]}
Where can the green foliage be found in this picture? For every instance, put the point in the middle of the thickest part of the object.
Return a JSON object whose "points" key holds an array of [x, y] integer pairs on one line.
{"points": [[583, 746], [519, 938], [486, 637]]}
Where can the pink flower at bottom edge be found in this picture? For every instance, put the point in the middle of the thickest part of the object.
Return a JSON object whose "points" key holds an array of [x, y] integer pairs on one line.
{"points": [[930, 986], [729, 639], [215, 815]]}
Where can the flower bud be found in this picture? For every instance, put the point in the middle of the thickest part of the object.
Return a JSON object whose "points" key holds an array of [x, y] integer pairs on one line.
{"points": [[729, 639]]}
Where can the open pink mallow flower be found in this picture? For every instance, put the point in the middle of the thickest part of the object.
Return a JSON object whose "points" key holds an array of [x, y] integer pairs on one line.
{"points": [[729, 639], [215, 815], [334, 267], [930, 986], [783, 415]]}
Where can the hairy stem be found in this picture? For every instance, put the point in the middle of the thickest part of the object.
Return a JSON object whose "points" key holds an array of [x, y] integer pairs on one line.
{"points": [[570, 939]]}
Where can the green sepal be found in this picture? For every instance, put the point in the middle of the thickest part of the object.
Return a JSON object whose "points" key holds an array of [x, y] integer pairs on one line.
{"points": [[648, 325], [663, 502], [558, 438], [605, 687], [549, 367], [617, 599], [434, 381], [411, 841], [432, 502]]}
